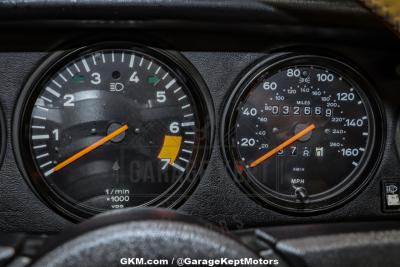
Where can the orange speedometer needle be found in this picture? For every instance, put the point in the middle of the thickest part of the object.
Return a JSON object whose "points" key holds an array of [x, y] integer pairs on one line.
{"points": [[90, 148], [289, 141]]}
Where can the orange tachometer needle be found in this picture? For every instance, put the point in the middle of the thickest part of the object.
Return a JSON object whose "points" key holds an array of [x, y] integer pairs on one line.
{"points": [[289, 141], [90, 148]]}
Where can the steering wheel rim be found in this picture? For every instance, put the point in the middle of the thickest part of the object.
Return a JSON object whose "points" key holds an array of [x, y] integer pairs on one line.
{"points": [[147, 234]]}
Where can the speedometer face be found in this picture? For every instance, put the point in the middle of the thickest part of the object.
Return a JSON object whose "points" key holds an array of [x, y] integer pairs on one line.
{"points": [[300, 133], [114, 128]]}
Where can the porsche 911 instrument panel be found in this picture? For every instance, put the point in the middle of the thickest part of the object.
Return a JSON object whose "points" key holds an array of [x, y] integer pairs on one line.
{"points": [[225, 114], [187, 132]]}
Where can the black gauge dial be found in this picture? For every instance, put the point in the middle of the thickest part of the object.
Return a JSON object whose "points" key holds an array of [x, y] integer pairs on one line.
{"points": [[301, 132], [113, 128]]}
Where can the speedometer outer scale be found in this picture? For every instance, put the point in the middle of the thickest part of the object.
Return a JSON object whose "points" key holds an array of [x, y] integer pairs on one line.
{"points": [[302, 133], [113, 126]]}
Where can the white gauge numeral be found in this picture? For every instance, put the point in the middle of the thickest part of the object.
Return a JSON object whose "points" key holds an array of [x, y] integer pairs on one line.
{"points": [[56, 134], [69, 100], [293, 73], [134, 78], [250, 111], [161, 97], [345, 96], [325, 77], [247, 142], [174, 127], [96, 78], [348, 152], [270, 86], [165, 163], [354, 122]]}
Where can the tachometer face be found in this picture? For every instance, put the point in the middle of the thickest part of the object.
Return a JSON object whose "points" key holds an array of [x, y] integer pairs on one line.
{"points": [[113, 128], [300, 133]]}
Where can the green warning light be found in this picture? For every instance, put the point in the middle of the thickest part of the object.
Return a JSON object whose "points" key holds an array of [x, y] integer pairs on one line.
{"points": [[78, 78], [153, 80]]}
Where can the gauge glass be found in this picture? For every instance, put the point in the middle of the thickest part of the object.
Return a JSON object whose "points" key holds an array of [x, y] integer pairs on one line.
{"points": [[115, 128], [300, 133]]}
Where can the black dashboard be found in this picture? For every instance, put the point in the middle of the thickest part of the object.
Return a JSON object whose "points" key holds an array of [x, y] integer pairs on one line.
{"points": [[252, 115]]}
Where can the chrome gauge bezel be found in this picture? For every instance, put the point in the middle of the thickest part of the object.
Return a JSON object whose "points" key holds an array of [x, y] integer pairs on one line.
{"points": [[352, 185], [176, 62]]}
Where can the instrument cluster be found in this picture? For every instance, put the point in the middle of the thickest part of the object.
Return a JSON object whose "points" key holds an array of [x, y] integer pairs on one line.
{"points": [[118, 124]]}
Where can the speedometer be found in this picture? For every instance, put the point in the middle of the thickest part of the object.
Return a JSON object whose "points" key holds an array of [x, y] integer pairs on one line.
{"points": [[300, 133], [113, 126]]}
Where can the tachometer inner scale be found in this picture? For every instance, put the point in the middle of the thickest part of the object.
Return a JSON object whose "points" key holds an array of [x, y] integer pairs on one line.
{"points": [[300, 132], [109, 128]]}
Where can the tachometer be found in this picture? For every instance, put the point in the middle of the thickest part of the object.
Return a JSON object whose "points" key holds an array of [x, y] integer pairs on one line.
{"points": [[300, 133], [111, 127]]}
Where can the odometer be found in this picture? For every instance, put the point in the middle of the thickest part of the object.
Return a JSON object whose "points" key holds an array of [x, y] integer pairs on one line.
{"points": [[301, 132], [113, 126]]}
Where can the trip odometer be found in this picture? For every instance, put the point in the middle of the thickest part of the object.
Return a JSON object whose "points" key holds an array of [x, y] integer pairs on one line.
{"points": [[110, 127], [300, 133]]}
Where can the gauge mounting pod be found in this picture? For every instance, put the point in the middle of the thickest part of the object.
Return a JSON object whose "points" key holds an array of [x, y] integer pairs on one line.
{"points": [[302, 133], [113, 125]]}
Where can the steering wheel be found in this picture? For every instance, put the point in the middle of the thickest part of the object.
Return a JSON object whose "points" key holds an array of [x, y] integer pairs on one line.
{"points": [[111, 238]]}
